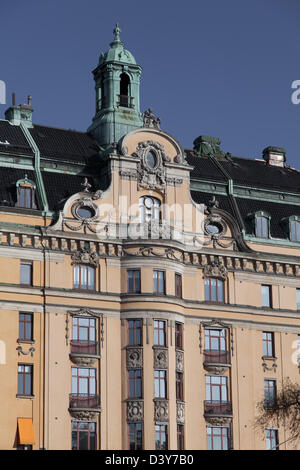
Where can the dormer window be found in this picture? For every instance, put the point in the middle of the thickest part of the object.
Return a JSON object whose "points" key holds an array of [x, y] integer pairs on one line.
{"points": [[295, 229], [26, 194], [262, 226]]}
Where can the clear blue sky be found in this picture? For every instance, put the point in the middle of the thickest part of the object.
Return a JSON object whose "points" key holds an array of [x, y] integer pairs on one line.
{"points": [[215, 67]]}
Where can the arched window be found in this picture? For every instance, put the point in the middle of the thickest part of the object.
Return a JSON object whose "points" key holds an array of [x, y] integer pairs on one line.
{"points": [[149, 209], [262, 226], [124, 90]]}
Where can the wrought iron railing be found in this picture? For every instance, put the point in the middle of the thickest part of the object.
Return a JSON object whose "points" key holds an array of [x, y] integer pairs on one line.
{"points": [[82, 400], [212, 356], [216, 407], [85, 347]]}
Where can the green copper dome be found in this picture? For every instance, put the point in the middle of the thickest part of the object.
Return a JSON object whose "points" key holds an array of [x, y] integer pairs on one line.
{"points": [[117, 53]]}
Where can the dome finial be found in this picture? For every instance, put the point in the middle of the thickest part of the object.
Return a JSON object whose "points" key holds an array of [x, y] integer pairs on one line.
{"points": [[117, 32]]}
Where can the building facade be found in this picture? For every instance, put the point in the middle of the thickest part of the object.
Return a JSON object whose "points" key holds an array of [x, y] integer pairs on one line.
{"points": [[149, 294]]}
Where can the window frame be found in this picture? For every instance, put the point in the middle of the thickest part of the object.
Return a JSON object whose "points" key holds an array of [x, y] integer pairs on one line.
{"points": [[89, 269], [135, 382], [268, 344], [135, 432], [271, 439], [260, 230], [30, 264], [136, 281], [159, 332], [179, 386], [160, 384], [270, 393], [268, 295], [180, 436], [212, 293], [25, 322], [88, 432], [22, 385], [179, 335], [157, 282], [91, 381], [161, 430], [294, 221], [135, 330], [221, 433], [178, 285], [221, 388]]}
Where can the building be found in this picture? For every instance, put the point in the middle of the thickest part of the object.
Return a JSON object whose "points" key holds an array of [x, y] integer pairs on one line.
{"points": [[149, 294]]}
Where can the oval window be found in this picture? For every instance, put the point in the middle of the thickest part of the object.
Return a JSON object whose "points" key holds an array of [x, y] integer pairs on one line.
{"points": [[213, 229], [85, 212], [151, 159]]}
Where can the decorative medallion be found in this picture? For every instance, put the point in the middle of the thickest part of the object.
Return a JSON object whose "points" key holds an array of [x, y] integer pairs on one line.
{"points": [[215, 269], [150, 169], [134, 358], [85, 256], [160, 358], [135, 410], [161, 411]]}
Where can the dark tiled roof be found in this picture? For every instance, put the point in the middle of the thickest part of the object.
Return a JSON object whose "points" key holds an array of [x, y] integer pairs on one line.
{"points": [[65, 144], [16, 139], [60, 186]]}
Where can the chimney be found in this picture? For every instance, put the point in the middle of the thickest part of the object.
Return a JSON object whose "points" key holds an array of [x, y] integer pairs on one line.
{"points": [[22, 113], [274, 156]]}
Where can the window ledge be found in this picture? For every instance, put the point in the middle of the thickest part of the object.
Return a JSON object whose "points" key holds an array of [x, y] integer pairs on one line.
{"points": [[20, 395]]}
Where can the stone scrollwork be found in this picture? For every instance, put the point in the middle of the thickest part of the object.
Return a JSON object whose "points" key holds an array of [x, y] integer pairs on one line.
{"points": [[85, 256], [84, 415], [180, 412], [134, 358], [215, 269], [218, 420], [179, 360], [161, 411], [160, 358], [135, 410], [151, 176]]}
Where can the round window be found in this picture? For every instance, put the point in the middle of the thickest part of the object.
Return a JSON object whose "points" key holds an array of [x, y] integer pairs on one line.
{"points": [[85, 212], [151, 159], [213, 229]]}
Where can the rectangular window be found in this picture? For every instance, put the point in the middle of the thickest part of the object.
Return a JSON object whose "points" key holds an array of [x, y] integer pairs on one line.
{"points": [[178, 335], [25, 197], [84, 435], [25, 326], [135, 337], [84, 388], [134, 281], [180, 437], [161, 437], [160, 384], [262, 227], [270, 393], [84, 335], [179, 386], [159, 333], [298, 298], [84, 277], [216, 388], [217, 438], [25, 376], [214, 290], [135, 383], [272, 439], [135, 433], [215, 346], [266, 296], [26, 273], [159, 285], [268, 344], [178, 285]]}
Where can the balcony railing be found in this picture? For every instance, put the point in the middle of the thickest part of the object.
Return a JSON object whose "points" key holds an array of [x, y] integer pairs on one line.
{"points": [[216, 357], [84, 401], [85, 347], [125, 101], [216, 408]]}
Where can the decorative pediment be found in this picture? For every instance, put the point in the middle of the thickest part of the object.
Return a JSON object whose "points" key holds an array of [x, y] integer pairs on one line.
{"points": [[215, 269], [85, 256]]}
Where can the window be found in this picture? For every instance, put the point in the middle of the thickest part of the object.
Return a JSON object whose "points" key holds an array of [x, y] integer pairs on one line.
{"points": [[134, 281], [298, 298], [262, 227], [84, 277], [217, 438], [214, 290], [266, 296], [179, 386], [178, 335], [178, 285], [159, 285], [84, 435], [135, 383], [25, 379], [268, 344], [135, 332], [180, 437], [25, 326], [159, 333], [216, 388], [135, 433], [160, 384], [124, 90], [271, 439], [149, 209], [294, 230], [215, 345], [161, 437], [84, 335], [26, 273], [270, 393], [25, 197], [83, 387]]}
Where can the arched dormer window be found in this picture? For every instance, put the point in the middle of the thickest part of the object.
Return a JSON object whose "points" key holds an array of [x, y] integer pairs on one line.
{"points": [[149, 209], [125, 90], [262, 225], [26, 193], [294, 225]]}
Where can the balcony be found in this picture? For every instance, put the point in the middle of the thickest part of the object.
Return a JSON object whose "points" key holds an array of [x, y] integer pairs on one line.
{"points": [[217, 408], [84, 402], [216, 361], [84, 352]]}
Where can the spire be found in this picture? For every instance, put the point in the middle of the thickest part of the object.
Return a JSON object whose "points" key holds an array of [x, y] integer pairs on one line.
{"points": [[116, 41]]}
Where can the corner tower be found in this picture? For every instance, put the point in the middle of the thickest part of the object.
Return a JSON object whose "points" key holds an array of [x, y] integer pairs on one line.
{"points": [[117, 85]]}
